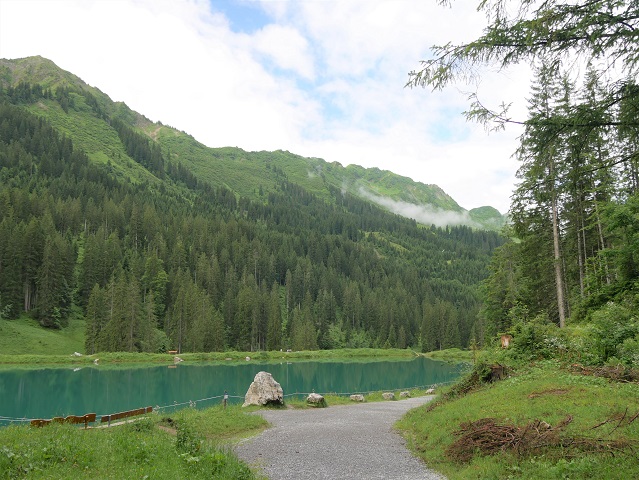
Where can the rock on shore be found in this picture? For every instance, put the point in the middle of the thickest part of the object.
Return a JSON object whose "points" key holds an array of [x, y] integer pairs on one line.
{"points": [[264, 391]]}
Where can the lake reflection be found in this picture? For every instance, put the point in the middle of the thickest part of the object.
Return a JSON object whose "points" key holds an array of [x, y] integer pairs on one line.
{"points": [[60, 392]]}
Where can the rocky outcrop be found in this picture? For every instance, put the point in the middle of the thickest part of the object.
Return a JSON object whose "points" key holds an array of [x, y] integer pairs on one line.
{"points": [[264, 391], [316, 400]]}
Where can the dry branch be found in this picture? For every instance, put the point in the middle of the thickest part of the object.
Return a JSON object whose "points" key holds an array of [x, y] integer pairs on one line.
{"points": [[487, 437]]}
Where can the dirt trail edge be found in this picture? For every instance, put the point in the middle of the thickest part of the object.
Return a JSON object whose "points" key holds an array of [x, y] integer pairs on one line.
{"points": [[340, 442]]}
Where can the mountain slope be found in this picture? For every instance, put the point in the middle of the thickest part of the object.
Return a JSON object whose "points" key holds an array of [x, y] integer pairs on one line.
{"points": [[248, 174], [163, 243]]}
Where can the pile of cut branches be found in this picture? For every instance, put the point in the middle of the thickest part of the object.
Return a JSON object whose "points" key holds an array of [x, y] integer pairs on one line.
{"points": [[618, 373], [487, 437], [481, 374]]}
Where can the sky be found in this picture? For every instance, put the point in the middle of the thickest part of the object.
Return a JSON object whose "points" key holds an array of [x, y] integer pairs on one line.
{"points": [[319, 78]]}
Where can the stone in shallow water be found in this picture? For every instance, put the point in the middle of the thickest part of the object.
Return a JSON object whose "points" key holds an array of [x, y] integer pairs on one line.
{"points": [[264, 391]]}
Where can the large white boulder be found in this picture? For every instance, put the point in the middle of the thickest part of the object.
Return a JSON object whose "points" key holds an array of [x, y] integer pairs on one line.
{"points": [[264, 391]]}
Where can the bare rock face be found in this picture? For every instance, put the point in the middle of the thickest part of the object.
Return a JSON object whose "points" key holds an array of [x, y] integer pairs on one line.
{"points": [[264, 391]]}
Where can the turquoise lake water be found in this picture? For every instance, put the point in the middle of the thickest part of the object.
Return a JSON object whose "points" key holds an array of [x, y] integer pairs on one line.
{"points": [[49, 392]]}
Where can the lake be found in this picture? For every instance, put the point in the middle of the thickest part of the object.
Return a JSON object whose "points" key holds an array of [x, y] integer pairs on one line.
{"points": [[49, 392]]}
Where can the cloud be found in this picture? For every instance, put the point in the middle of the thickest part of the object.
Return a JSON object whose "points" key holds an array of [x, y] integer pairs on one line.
{"points": [[424, 214], [320, 79], [287, 48]]}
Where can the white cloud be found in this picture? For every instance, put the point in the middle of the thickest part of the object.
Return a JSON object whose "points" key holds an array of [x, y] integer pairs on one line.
{"points": [[424, 214], [336, 92], [287, 48]]}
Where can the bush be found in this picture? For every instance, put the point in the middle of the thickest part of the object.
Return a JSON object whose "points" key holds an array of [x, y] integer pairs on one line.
{"points": [[536, 339], [628, 352], [613, 334]]}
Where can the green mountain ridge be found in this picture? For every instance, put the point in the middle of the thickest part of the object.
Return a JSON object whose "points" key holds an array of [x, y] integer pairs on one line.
{"points": [[157, 242], [248, 174]]}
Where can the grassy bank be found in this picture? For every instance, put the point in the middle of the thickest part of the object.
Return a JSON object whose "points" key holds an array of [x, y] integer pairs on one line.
{"points": [[334, 399], [451, 355], [24, 342], [26, 335], [188, 444], [115, 358], [547, 422]]}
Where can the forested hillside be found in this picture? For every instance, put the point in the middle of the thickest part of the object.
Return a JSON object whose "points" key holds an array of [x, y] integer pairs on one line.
{"points": [[248, 174], [574, 257], [97, 213], [575, 214]]}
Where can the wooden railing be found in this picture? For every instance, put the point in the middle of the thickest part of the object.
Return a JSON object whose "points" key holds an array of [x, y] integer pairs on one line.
{"points": [[76, 419], [90, 418], [127, 414]]}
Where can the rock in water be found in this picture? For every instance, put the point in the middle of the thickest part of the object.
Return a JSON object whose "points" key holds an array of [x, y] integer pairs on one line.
{"points": [[264, 391]]}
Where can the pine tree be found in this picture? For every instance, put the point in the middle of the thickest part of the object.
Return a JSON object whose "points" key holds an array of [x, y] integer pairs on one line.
{"points": [[96, 318], [53, 283], [274, 331], [536, 200]]}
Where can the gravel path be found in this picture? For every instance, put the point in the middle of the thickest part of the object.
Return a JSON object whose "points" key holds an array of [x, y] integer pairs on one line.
{"points": [[340, 442]]}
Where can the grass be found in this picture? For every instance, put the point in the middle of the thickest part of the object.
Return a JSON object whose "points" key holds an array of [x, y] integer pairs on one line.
{"points": [[334, 399], [56, 347], [540, 392], [217, 424], [451, 355], [26, 335], [195, 445], [10, 357]]}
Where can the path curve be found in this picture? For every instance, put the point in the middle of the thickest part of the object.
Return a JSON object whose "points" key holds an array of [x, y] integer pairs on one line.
{"points": [[340, 442]]}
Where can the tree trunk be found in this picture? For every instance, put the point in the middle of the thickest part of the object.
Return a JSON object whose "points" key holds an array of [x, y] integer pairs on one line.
{"points": [[559, 281], [602, 243], [581, 255]]}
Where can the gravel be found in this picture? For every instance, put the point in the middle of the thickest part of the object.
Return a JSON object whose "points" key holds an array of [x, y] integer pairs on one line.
{"points": [[340, 442]]}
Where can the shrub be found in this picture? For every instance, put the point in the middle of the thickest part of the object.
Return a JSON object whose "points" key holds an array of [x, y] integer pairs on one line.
{"points": [[536, 339], [628, 352], [612, 326]]}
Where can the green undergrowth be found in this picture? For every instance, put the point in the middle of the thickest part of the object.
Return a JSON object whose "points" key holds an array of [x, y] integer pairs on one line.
{"points": [[188, 444], [571, 426]]}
